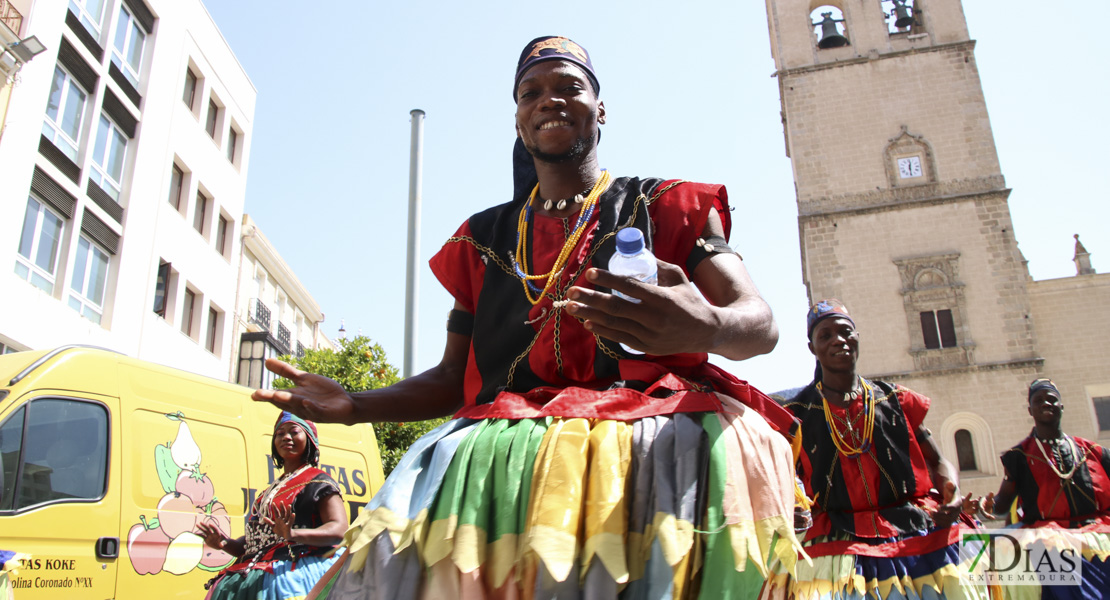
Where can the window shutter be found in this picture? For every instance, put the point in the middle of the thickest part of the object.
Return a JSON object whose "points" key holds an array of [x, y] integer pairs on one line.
{"points": [[929, 330]]}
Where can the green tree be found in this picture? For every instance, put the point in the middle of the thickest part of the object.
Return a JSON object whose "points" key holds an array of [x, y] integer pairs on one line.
{"points": [[359, 365]]}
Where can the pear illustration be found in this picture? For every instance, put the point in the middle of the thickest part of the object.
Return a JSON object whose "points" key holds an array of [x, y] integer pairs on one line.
{"points": [[184, 449]]}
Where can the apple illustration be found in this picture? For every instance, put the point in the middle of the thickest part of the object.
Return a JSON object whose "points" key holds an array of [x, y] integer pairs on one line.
{"points": [[177, 514], [146, 546], [197, 486]]}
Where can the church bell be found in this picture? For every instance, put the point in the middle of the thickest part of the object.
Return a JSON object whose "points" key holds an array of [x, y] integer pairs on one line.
{"points": [[830, 35], [903, 15]]}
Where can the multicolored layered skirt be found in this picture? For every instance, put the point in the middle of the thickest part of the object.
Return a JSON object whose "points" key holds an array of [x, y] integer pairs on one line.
{"points": [[1093, 545], [922, 566], [688, 505], [279, 580]]}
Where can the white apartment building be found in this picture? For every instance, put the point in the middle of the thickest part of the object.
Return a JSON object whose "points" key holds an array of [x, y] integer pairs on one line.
{"points": [[275, 313], [123, 167]]}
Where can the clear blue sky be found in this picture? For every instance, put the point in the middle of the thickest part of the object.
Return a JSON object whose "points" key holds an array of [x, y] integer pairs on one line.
{"points": [[688, 93]]}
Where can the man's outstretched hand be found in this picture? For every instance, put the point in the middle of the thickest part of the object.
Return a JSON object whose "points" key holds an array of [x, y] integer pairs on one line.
{"points": [[952, 505], [313, 397]]}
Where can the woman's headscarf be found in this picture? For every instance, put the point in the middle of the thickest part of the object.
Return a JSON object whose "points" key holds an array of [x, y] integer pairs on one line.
{"points": [[312, 448]]}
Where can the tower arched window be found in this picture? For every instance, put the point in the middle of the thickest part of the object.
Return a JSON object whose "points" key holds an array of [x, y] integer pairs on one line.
{"points": [[965, 451], [829, 26]]}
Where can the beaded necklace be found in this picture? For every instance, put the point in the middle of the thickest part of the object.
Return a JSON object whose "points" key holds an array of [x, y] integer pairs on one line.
{"points": [[270, 494], [1074, 458], [521, 258], [842, 445]]}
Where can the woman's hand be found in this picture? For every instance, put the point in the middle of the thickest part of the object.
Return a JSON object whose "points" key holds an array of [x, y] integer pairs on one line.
{"points": [[281, 522], [672, 317], [213, 537], [313, 397]]}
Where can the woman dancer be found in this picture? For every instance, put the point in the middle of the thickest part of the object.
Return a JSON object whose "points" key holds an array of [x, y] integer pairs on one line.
{"points": [[293, 528]]}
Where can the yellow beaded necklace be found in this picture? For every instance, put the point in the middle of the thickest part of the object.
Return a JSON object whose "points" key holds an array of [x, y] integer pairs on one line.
{"points": [[521, 259], [869, 403]]}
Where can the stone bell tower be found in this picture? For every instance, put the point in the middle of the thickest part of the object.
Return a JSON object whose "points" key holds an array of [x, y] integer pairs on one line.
{"points": [[903, 213]]}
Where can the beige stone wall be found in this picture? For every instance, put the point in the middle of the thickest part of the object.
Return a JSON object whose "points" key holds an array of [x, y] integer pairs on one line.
{"points": [[850, 256], [1072, 317], [793, 43], [840, 120]]}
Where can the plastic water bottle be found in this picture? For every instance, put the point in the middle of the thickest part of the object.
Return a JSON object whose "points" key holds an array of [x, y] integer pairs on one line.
{"points": [[633, 259]]}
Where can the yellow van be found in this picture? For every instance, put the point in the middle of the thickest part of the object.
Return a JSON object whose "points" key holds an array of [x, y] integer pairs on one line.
{"points": [[109, 463]]}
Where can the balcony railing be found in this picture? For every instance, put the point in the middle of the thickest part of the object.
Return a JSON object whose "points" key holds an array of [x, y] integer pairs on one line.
{"points": [[258, 313], [283, 336], [10, 16], [300, 350]]}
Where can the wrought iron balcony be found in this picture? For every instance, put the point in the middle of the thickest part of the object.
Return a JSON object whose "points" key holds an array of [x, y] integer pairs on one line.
{"points": [[10, 16], [283, 336], [300, 350], [258, 313]]}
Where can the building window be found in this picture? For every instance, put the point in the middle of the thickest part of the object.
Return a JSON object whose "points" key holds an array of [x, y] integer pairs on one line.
{"points": [[221, 234], [127, 50], [65, 112], [90, 13], [213, 329], [936, 312], [39, 244], [965, 451], [213, 116], [188, 312], [62, 458], [162, 289], [108, 156], [937, 329], [232, 143], [1102, 412], [90, 275], [190, 94], [177, 182], [200, 213]]}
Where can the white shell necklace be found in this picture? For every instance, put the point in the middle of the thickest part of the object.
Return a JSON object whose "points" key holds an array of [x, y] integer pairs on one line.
{"points": [[1074, 458]]}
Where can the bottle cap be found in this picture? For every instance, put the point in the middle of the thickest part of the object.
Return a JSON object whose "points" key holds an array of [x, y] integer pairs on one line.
{"points": [[630, 240]]}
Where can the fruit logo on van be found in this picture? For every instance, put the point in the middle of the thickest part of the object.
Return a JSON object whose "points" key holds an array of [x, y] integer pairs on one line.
{"points": [[171, 542]]}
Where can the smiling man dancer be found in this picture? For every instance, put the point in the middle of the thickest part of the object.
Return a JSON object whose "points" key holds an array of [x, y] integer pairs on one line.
{"points": [[1059, 481], [869, 463], [574, 469]]}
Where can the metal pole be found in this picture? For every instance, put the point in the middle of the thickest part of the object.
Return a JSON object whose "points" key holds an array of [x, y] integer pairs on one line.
{"points": [[411, 289]]}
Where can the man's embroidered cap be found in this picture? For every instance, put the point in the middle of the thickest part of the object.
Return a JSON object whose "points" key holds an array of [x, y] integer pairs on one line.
{"points": [[553, 47], [1043, 383], [826, 309]]}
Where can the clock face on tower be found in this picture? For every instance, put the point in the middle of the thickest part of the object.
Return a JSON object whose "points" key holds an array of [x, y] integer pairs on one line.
{"points": [[909, 167]]}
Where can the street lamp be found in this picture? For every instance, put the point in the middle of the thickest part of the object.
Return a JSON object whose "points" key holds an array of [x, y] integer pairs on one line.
{"points": [[27, 48]]}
